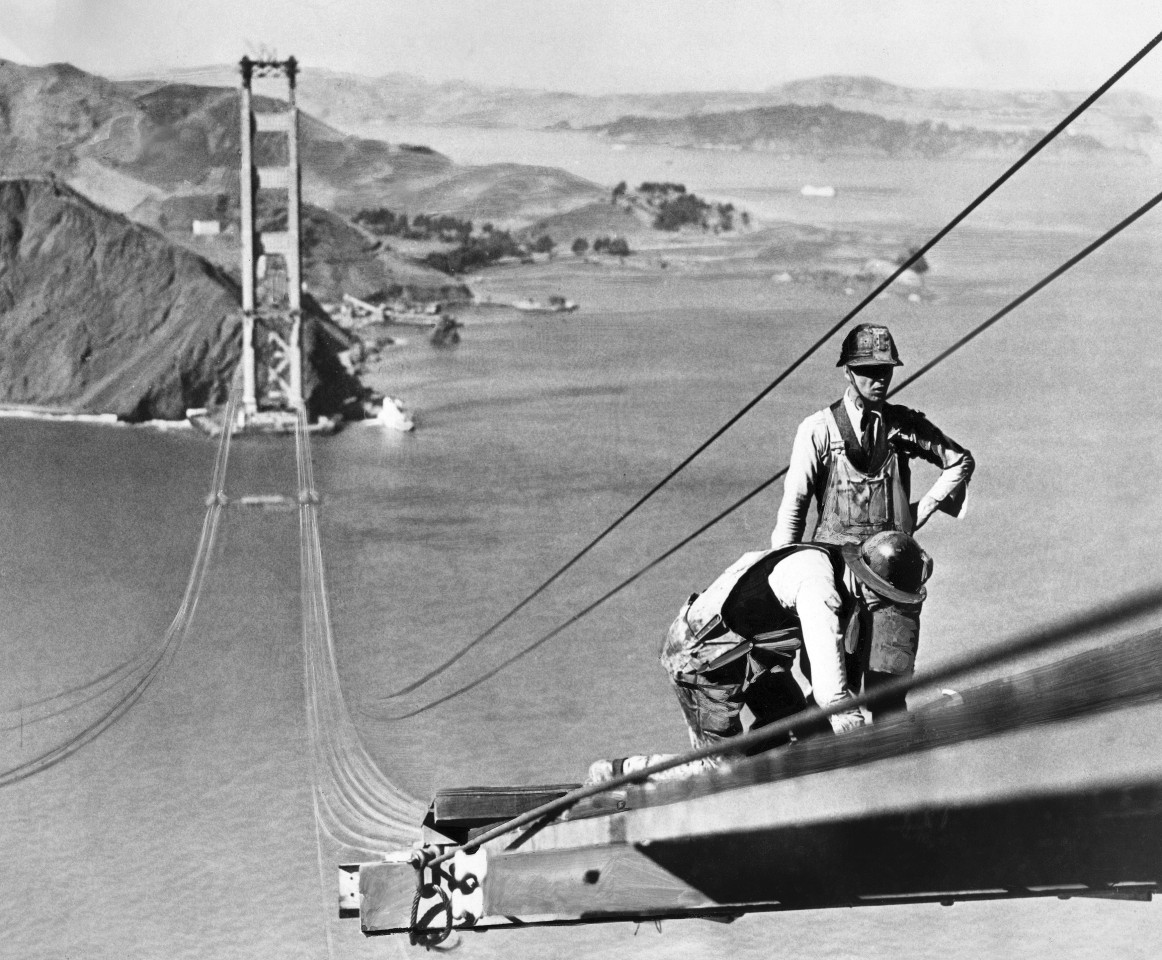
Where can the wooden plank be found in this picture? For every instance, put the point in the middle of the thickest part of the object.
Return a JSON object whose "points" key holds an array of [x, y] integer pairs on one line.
{"points": [[492, 803], [456, 815]]}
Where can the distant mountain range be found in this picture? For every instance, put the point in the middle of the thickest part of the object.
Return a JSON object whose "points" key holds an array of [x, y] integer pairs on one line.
{"points": [[829, 131], [1120, 120], [167, 154]]}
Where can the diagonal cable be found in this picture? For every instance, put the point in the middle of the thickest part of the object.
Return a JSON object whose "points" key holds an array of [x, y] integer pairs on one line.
{"points": [[971, 335], [791, 368]]}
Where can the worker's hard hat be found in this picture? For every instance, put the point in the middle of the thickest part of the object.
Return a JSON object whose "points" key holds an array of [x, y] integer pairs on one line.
{"points": [[892, 564], [867, 345]]}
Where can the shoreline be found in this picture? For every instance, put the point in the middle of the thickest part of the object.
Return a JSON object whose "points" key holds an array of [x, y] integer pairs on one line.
{"points": [[57, 415]]}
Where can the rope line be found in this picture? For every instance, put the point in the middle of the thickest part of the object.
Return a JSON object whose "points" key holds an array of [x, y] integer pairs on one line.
{"points": [[791, 368], [931, 364], [146, 667], [355, 804], [1127, 608]]}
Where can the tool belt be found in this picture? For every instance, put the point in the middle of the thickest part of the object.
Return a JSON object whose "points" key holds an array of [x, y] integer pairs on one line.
{"points": [[751, 657], [740, 603]]}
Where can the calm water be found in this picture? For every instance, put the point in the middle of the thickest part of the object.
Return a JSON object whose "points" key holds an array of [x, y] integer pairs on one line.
{"points": [[186, 831], [899, 192]]}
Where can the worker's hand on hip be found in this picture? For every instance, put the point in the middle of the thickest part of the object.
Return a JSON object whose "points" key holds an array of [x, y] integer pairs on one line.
{"points": [[924, 510]]}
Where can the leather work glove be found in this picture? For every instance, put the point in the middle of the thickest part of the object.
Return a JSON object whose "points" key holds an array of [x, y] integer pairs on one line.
{"points": [[846, 721]]}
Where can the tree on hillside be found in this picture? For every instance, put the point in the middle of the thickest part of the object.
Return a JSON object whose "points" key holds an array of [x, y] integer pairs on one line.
{"points": [[580, 247], [920, 266], [543, 244], [619, 191], [686, 208]]}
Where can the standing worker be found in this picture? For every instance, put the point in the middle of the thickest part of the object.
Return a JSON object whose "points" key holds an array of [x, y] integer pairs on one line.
{"points": [[853, 460]]}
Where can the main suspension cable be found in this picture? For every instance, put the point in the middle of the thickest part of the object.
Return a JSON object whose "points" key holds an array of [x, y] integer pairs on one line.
{"points": [[927, 367], [912, 258], [1124, 610]]}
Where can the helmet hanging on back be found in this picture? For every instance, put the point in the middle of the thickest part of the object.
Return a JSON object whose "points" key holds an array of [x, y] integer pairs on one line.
{"points": [[892, 564]]}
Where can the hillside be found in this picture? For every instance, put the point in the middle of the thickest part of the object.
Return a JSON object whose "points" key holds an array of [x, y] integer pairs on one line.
{"points": [[825, 130], [46, 113], [354, 102], [338, 257], [183, 137], [100, 315], [508, 194], [1123, 119], [167, 153], [600, 218]]}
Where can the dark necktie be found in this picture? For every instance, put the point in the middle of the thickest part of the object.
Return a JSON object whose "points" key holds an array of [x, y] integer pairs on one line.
{"points": [[867, 437]]}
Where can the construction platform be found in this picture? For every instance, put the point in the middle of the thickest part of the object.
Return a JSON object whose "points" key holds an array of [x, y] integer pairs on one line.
{"points": [[1045, 784], [264, 421]]}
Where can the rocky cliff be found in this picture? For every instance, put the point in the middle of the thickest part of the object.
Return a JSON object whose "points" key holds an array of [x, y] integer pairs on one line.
{"points": [[101, 315]]}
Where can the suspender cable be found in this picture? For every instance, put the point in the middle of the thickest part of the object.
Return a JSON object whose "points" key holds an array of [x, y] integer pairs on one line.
{"points": [[791, 368], [1127, 608], [931, 364]]}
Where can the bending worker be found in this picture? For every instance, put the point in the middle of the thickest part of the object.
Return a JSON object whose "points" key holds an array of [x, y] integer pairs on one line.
{"points": [[732, 647], [852, 459]]}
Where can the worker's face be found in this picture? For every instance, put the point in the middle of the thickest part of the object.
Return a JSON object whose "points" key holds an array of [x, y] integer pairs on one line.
{"points": [[871, 382]]}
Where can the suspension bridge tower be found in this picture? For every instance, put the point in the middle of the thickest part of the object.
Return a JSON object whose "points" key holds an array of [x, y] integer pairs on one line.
{"points": [[272, 354]]}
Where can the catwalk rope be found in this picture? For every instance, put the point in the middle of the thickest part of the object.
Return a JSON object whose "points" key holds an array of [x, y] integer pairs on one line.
{"points": [[113, 693], [356, 804], [912, 258], [746, 498]]}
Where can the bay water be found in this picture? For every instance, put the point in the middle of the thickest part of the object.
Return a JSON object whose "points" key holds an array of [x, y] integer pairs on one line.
{"points": [[186, 830]]}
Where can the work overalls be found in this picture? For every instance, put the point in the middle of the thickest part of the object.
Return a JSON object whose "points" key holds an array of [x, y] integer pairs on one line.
{"points": [[865, 495], [708, 655]]}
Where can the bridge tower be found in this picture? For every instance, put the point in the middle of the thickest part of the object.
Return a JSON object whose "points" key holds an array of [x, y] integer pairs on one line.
{"points": [[271, 263]]}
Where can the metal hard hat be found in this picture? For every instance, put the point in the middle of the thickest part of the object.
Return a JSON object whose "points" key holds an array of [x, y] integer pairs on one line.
{"points": [[892, 564], [868, 344]]}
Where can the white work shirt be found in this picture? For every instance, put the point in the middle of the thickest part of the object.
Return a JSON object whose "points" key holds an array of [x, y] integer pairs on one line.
{"points": [[805, 582], [914, 437]]}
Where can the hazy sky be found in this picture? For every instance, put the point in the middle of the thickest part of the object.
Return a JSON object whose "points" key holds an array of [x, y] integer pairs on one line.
{"points": [[608, 45]]}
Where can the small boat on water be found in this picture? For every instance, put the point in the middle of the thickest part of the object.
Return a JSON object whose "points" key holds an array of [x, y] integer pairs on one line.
{"points": [[812, 191], [555, 305], [392, 415]]}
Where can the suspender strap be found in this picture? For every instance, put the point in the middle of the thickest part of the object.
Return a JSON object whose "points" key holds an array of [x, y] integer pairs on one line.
{"points": [[853, 446]]}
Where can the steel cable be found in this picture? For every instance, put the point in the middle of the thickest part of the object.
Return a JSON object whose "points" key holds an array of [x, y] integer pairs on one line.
{"points": [[162, 654], [927, 367], [913, 258], [355, 804], [1123, 610]]}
